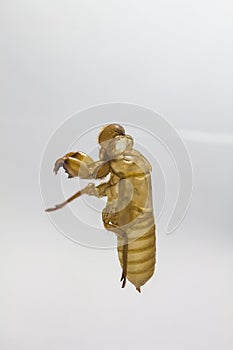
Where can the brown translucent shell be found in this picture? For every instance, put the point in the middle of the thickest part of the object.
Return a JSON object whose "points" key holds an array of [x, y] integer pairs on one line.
{"points": [[110, 132]]}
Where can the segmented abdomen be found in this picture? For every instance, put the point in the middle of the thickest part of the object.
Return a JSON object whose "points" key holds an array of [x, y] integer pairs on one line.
{"points": [[141, 252]]}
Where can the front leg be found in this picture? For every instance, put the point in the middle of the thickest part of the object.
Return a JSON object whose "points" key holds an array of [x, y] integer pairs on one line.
{"points": [[81, 165]]}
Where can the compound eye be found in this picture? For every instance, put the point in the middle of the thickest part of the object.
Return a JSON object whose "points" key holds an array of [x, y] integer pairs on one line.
{"points": [[120, 146]]}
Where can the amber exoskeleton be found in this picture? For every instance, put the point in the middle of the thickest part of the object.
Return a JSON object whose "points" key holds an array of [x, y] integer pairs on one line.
{"points": [[129, 209]]}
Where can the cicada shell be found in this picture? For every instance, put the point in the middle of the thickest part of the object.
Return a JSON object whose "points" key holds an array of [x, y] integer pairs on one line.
{"points": [[129, 208]]}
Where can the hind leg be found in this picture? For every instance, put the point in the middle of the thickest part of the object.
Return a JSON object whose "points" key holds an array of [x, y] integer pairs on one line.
{"points": [[110, 226]]}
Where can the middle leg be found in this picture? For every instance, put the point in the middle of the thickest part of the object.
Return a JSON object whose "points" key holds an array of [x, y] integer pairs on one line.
{"points": [[90, 189]]}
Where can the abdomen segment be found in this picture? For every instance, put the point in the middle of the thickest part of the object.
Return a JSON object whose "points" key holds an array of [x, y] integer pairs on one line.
{"points": [[141, 257]]}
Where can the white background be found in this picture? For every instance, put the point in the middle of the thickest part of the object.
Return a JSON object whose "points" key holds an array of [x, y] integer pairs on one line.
{"points": [[61, 56]]}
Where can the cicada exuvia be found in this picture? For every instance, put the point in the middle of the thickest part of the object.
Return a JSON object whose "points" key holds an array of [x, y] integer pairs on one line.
{"points": [[129, 209]]}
